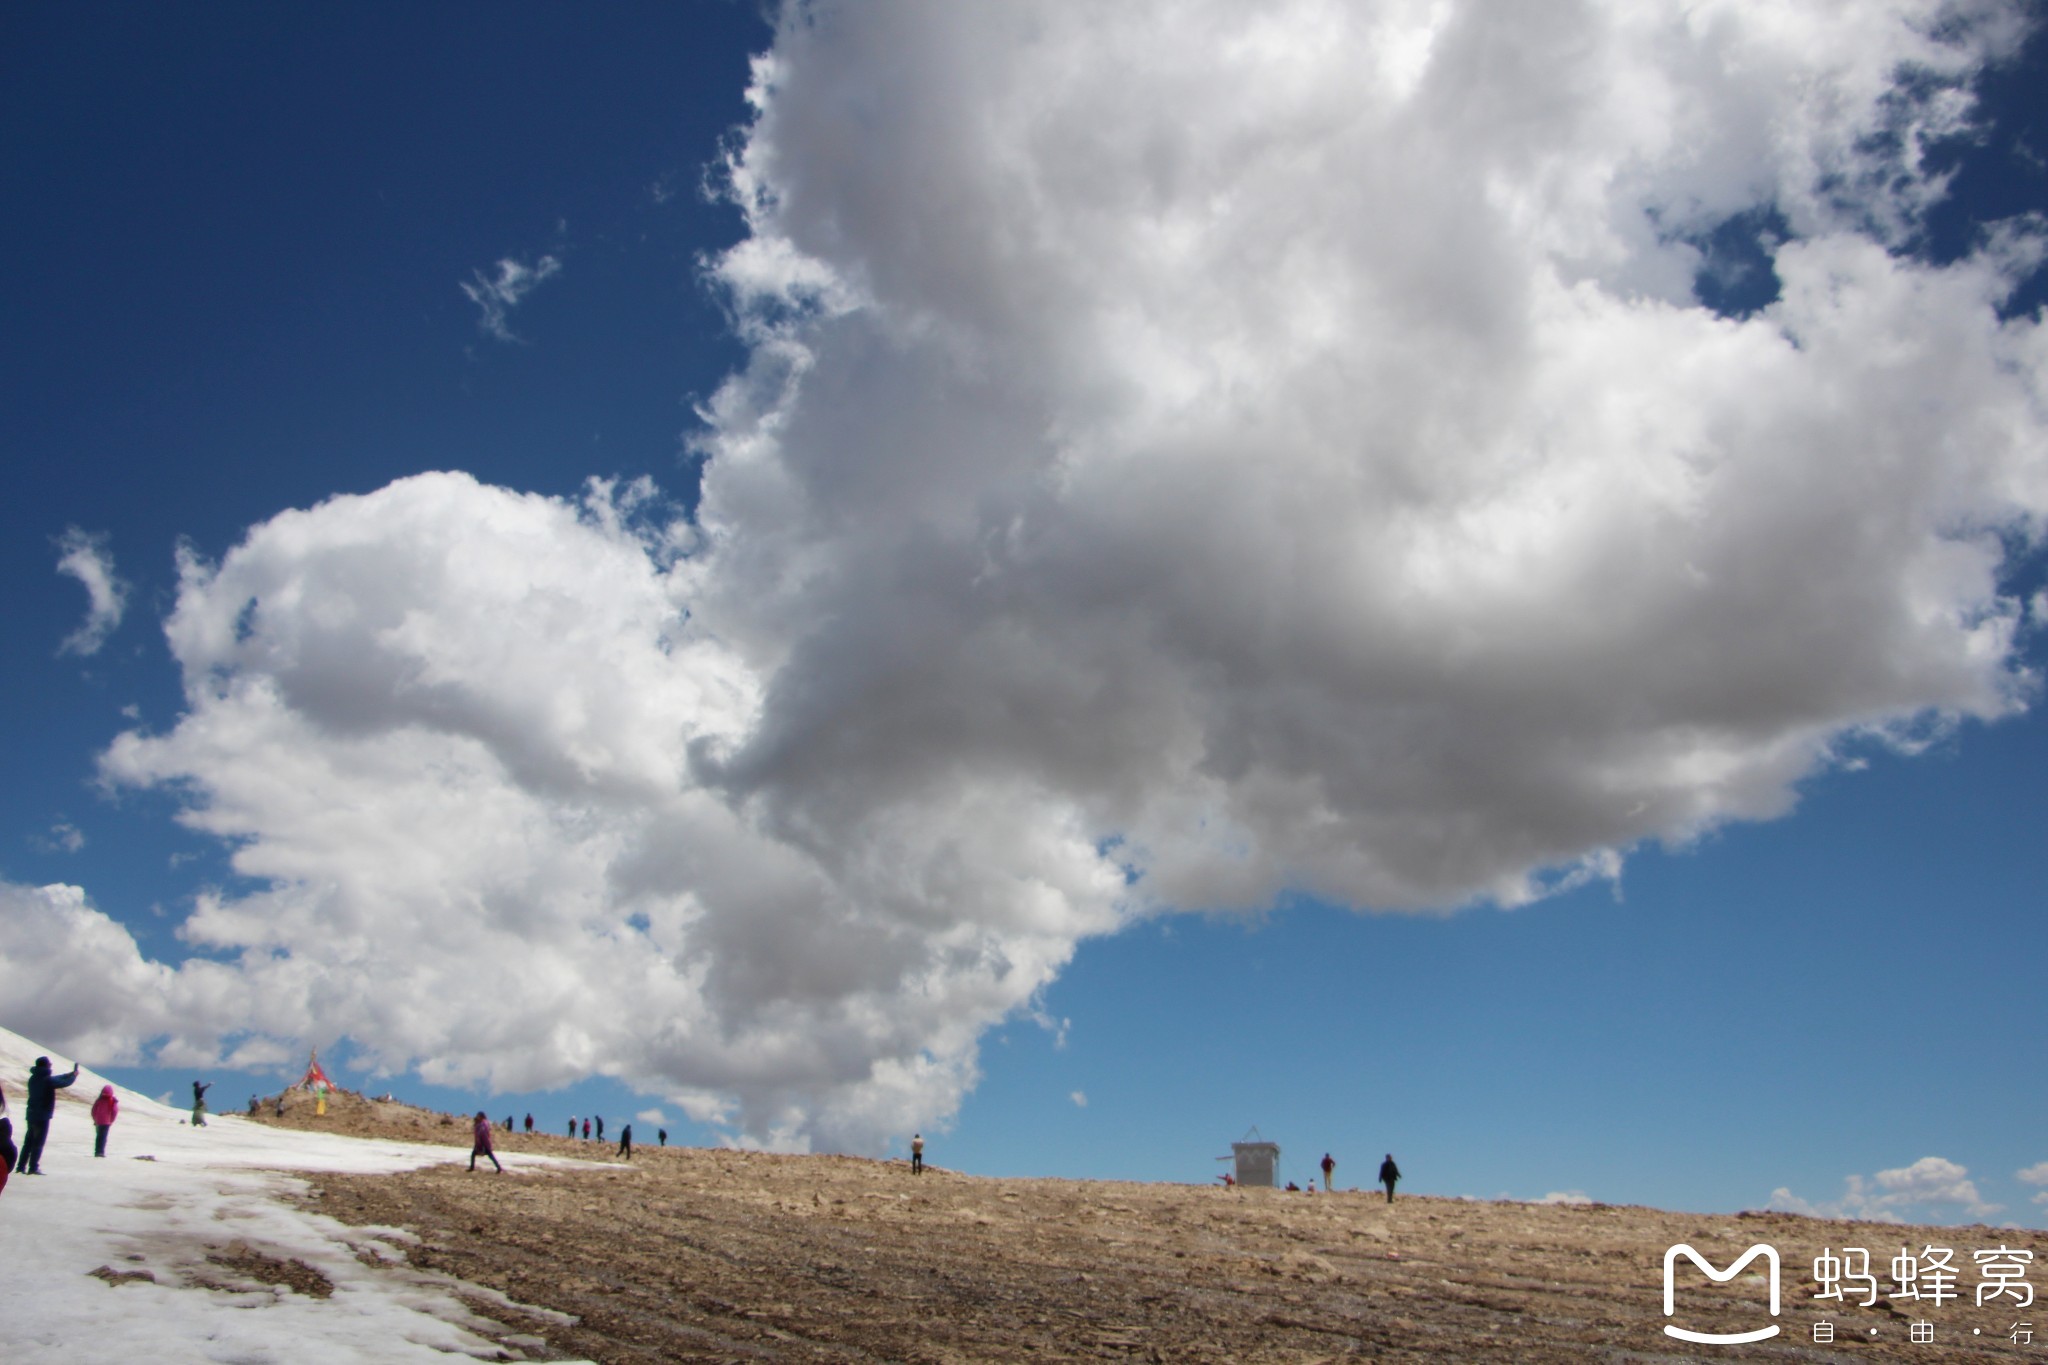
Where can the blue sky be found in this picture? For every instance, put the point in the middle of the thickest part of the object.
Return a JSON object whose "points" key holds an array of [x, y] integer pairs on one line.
{"points": [[1144, 377]]}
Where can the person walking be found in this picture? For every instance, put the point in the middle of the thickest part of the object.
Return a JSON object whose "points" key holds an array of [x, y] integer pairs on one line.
{"points": [[586, 1130], [1390, 1175], [199, 1089], [600, 1127], [662, 1133], [917, 1153], [626, 1142], [103, 1111], [529, 1124], [482, 1146], [572, 1125], [42, 1103], [1329, 1169]]}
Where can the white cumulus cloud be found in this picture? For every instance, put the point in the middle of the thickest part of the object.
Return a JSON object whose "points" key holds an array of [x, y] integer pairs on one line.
{"points": [[1188, 452], [455, 731], [1932, 1185], [73, 978], [85, 557]]}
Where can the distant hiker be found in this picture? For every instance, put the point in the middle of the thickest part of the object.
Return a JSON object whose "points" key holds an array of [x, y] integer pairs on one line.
{"points": [[508, 1123], [572, 1125], [600, 1127], [1294, 1187], [103, 1111], [662, 1133], [586, 1130], [7, 1150], [1329, 1167], [280, 1104], [529, 1123], [626, 1142], [483, 1143], [1390, 1175], [917, 1153], [199, 1089], [42, 1103]]}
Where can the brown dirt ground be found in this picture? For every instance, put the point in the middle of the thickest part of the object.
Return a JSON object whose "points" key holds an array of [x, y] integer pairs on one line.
{"points": [[688, 1254]]}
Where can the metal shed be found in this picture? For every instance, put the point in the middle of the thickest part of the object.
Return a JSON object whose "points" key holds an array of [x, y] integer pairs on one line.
{"points": [[1258, 1161]]}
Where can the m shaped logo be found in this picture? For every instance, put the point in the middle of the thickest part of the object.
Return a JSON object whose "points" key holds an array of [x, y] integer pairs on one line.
{"points": [[1769, 1253]]}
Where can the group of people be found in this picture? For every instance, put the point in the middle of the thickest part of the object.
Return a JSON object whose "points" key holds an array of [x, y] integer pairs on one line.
{"points": [[1390, 1176], [43, 1085], [482, 1146]]}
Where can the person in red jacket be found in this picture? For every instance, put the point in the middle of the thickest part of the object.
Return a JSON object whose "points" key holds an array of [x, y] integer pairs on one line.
{"points": [[103, 1111], [483, 1143]]}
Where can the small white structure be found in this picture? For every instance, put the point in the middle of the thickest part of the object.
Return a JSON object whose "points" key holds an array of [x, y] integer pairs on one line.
{"points": [[1258, 1161]]}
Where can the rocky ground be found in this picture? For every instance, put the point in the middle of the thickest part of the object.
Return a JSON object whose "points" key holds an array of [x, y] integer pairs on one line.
{"points": [[704, 1255]]}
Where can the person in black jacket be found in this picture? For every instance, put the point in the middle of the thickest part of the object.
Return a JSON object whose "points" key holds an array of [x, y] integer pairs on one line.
{"points": [[626, 1142], [199, 1089], [42, 1103], [1390, 1175]]}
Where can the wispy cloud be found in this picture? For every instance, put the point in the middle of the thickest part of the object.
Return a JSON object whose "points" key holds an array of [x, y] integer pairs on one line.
{"points": [[1930, 1186], [1057, 1027], [496, 295], [64, 837], [85, 557], [1080, 1099]]}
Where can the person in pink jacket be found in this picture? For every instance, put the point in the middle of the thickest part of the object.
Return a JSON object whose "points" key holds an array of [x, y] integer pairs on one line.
{"points": [[483, 1143], [104, 1109]]}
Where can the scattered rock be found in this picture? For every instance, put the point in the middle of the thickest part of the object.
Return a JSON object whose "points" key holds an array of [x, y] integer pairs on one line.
{"points": [[712, 1256]]}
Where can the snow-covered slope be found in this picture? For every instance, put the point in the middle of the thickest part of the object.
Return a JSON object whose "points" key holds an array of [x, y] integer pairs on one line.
{"points": [[168, 1195]]}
